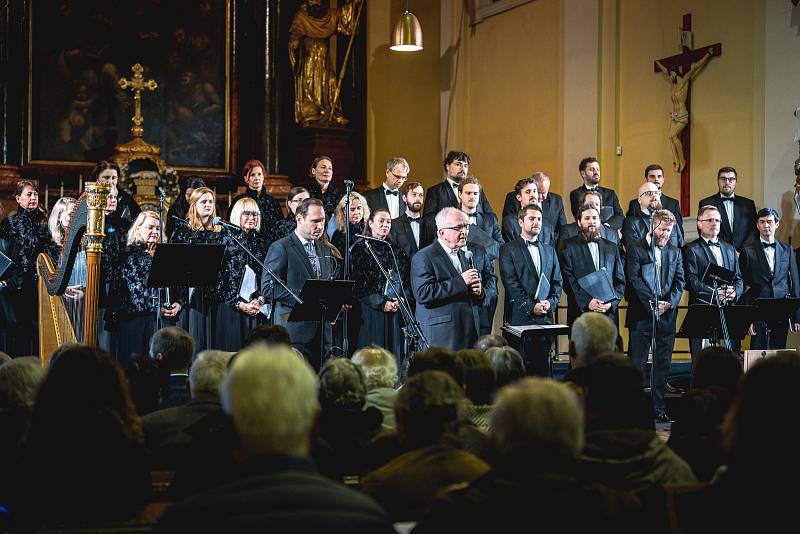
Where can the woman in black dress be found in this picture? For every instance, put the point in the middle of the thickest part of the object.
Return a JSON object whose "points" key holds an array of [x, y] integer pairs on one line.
{"points": [[239, 315], [288, 224], [57, 224], [108, 172], [359, 212], [381, 321], [26, 236], [135, 303], [322, 187], [180, 207], [254, 175]]}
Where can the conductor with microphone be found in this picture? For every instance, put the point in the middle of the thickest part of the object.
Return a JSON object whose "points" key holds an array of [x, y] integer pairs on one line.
{"points": [[451, 281]]}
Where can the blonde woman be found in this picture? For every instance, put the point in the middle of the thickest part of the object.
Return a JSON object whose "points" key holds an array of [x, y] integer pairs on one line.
{"points": [[359, 212], [57, 224]]}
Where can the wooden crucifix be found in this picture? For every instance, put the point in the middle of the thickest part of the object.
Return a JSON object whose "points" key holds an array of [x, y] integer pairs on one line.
{"points": [[680, 69], [137, 84]]}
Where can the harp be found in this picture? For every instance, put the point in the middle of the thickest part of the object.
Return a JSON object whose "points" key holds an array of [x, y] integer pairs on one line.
{"points": [[69, 292]]}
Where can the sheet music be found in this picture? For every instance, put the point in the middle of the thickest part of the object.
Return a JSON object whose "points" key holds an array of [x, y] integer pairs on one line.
{"points": [[518, 330], [543, 288], [248, 286]]}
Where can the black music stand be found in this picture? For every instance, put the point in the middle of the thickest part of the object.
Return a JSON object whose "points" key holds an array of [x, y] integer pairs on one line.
{"points": [[185, 265], [522, 337], [771, 311], [322, 300], [702, 321]]}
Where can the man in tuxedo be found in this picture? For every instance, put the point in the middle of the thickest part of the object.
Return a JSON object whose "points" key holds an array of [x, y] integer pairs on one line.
{"points": [[738, 213], [296, 258], [589, 169], [697, 256], [407, 228], [655, 279], [770, 270], [586, 253], [445, 194], [594, 200], [638, 222], [450, 284], [388, 195], [654, 174], [523, 263], [526, 193], [551, 204]]}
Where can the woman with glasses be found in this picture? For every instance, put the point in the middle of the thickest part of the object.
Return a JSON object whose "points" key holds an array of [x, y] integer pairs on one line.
{"points": [[359, 212], [381, 319], [241, 281], [287, 225]]}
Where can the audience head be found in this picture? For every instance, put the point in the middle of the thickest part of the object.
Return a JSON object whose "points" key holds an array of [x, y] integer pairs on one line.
{"points": [[268, 334], [295, 197], [708, 221], [487, 341], [208, 371], [592, 335], [456, 165], [759, 430], [613, 394], [341, 386], [59, 219], [726, 180], [654, 174], [452, 227], [4, 358], [527, 191], [105, 172], [254, 174], [310, 217], [590, 171], [437, 359], [413, 195], [507, 363], [246, 215], [359, 210], [203, 210], [535, 415], [174, 346], [396, 173], [716, 368], [271, 395], [378, 367], [26, 195], [322, 171], [479, 376], [144, 230], [19, 382], [428, 406]]}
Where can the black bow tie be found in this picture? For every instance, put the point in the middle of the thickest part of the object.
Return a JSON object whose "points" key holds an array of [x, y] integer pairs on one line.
{"points": [[390, 192], [727, 199], [414, 220], [532, 243], [768, 245], [713, 244], [455, 185]]}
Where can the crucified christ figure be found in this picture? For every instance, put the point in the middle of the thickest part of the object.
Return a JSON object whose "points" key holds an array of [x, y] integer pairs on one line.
{"points": [[679, 116]]}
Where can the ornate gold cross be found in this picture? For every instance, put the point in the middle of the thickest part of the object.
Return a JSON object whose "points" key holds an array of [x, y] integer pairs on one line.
{"points": [[137, 84]]}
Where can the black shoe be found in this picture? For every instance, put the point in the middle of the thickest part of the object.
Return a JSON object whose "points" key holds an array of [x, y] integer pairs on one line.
{"points": [[673, 389], [663, 418]]}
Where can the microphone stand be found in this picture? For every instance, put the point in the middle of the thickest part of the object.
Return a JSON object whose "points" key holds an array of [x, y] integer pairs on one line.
{"points": [[654, 303], [412, 329], [348, 187], [161, 198]]}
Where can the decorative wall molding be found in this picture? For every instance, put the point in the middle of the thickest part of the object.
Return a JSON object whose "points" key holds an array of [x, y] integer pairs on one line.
{"points": [[483, 9]]}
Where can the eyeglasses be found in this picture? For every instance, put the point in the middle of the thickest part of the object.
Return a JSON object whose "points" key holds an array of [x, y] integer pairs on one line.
{"points": [[250, 214], [459, 228], [727, 178], [710, 220], [296, 201], [651, 194], [401, 178]]}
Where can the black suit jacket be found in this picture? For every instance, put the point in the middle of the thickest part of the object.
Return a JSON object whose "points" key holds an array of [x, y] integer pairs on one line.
{"points": [[446, 310], [610, 199], [636, 227], [521, 279], [512, 231], [376, 198], [744, 219], [764, 284], [576, 262], [640, 265], [288, 259], [402, 234], [696, 257], [552, 210], [668, 203], [443, 195]]}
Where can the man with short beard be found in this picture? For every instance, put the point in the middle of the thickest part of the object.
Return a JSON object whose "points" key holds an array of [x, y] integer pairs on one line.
{"points": [[526, 193], [407, 228], [445, 194], [655, 274], [638, 223], [586, 253], [654, 174], [589, 169]]}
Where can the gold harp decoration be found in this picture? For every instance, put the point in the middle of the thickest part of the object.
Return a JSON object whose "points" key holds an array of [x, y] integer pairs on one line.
{"points": [[55, 325]]}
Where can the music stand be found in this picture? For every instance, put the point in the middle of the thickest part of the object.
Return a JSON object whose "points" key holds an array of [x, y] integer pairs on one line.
{"points": [[771, 311], [702, 321], [322, 300], [185, 265]]}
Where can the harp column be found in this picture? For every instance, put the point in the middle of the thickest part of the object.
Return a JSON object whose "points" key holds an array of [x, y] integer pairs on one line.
{"points": [[96, 196]]}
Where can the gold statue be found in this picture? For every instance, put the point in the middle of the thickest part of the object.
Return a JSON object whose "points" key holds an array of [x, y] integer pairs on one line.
{"points": [[315, 80], [679, 116]]}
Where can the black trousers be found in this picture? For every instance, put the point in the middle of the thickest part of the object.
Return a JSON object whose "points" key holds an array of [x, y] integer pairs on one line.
{"points": [[777, 335], [639, 342]]}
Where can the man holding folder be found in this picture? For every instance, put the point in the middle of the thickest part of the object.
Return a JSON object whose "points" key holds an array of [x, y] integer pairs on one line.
{"points": [[532, 278]]}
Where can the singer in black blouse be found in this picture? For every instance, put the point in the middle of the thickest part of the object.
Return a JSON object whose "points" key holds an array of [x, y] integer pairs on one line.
{"points": [[381, 319]]}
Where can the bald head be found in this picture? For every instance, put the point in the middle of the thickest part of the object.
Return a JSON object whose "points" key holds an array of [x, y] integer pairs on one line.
{"points": [[649, 197]]}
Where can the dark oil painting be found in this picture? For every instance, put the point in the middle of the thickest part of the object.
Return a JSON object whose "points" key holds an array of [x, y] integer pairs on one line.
{"points": [[80, 49]]}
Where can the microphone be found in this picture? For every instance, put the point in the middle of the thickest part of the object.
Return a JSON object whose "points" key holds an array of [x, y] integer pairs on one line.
{"points": [[180, 220], [370, 238], [348, 184], [218, 220], [470, 262], [161, 191]]}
